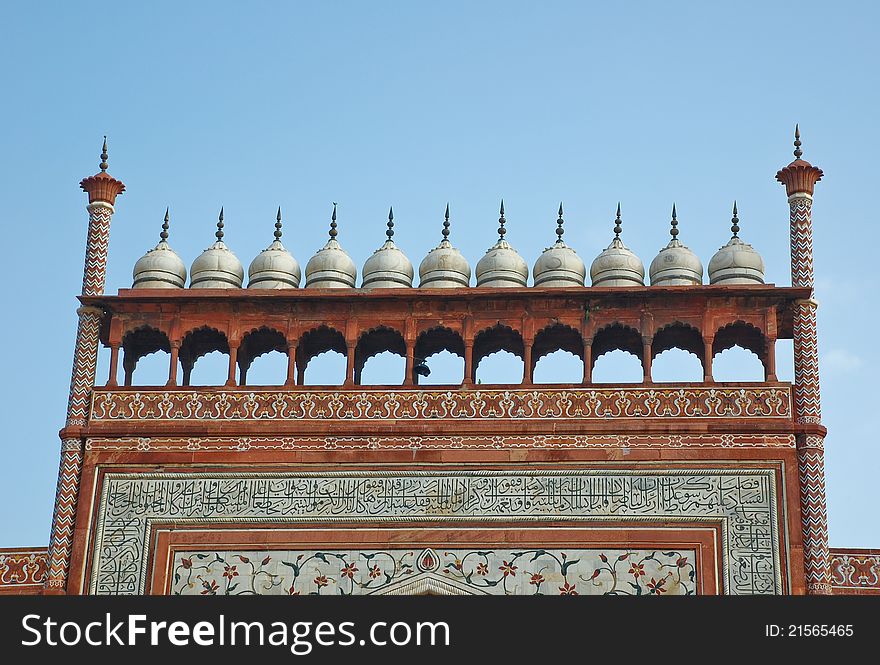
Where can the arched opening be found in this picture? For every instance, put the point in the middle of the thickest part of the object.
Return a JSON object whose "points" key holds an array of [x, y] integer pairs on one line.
{"points": [[321, 358], [557, 355], [383, 349], [739, 353], [210, 348], [677, 353], [617, 355], [262, 358], [506, 347], [439, 353], [148, 350]]}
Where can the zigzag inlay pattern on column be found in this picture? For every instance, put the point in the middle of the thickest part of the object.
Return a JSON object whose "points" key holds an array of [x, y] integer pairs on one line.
{"points": [[806, 364], [85, 359], [801, 207], [811, 455], [96, 248], [64, 516], [814, 517]]}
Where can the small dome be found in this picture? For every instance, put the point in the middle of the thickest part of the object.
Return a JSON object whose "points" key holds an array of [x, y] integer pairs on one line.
{"points": [[217, 267], [676, 265], [274, 267], [617, 265], [444, 267], [737, 262], [502, 266], [160, 267], [388, 267], [331, 267], [559, 265]]}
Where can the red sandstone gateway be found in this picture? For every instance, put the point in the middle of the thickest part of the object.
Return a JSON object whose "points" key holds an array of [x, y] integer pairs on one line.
{"points": [[660, 489]]}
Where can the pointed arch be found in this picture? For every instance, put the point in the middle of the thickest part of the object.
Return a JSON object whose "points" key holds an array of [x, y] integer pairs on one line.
{"points": [[138, 343]]}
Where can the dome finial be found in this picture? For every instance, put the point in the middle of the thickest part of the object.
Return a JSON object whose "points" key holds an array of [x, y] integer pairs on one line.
{"points": [[104, 156], [673, 231], [735, 222], [164, 235], [797, 142], [333, 231], [446, 223], [390, 231], [559, 223], [501, 221], [617, 227], [219, 233], [278, 225]]}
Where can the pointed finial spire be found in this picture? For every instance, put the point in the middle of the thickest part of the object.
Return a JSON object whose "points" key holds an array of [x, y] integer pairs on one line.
{"points": [[734, 222], [559, 223], [446, 223], [501, 221], [219, 233], [333, 231], [617, 222], [278, 225], [797, 142], [164, 235], [390, 231], [673, 231], [104, 156]]}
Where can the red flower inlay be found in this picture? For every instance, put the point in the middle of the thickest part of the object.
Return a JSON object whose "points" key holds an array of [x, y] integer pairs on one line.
{"points": [[537, 578], [507, 569], [230, 572], [186, 563], [568, 590], [637, 570], [682, 562], [656, 586], [375, 571], [482, 569], [210, 588], [321, 580], [349, 570]]}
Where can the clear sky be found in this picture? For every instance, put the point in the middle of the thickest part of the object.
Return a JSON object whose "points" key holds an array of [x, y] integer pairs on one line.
{"points": [[255, 105]]}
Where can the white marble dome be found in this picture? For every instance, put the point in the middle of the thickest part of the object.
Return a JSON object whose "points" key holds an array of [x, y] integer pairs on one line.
{"points": [[388, 267], [160, 267], [331, 267], [444, 267], [502, 266], [737, 262], [217, 267], [617, 265], [559, 265], [274, 267], [676, 265]]}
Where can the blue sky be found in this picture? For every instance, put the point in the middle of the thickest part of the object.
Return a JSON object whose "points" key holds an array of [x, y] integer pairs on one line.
{"points": [[256, 105]]}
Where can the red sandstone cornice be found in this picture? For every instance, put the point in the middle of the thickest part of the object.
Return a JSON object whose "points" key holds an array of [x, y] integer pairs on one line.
{"points": [[102, 187], [799, 177]]}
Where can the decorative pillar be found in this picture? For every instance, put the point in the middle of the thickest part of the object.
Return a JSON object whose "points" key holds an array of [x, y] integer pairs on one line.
{"points": [[291, 364], [707, 359], [528, 366], [172, 367], [770, 360], [350, 379], [588, 362], [647, 342], [800, 178], [102, 190], [233, 359], [409, 373], [468, 364], [114, 364]]}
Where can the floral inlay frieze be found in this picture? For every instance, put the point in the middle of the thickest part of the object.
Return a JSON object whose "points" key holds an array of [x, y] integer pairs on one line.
{"points": [[526, 404], [532, 572]]}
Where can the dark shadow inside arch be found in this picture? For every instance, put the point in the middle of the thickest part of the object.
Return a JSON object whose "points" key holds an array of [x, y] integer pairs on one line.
{"points": [[257, 343], [199, 343], [317, 342], [436, 341], [562, 348], [677, 367], [375, 342], [739, 353], [139, 343], [491, 341]]}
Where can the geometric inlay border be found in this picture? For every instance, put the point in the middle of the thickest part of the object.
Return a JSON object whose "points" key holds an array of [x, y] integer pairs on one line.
{"points": [[742, 501]]}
